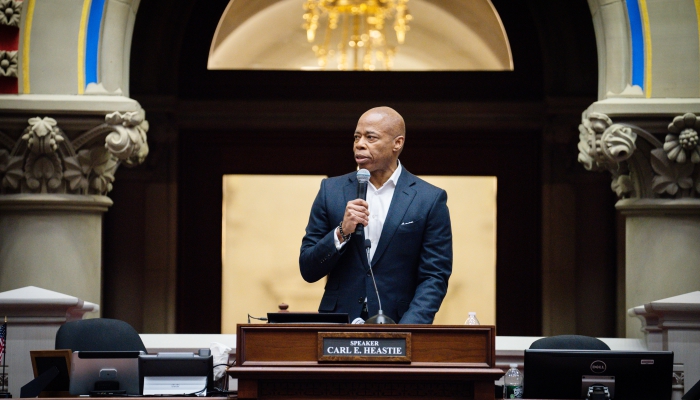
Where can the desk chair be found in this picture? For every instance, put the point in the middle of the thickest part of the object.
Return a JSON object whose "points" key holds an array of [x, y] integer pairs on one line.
{"points": [[569, 342], [98, 334]]}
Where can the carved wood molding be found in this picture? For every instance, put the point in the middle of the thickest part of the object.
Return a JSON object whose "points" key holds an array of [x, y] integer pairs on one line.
{"points": [[367, 390]]}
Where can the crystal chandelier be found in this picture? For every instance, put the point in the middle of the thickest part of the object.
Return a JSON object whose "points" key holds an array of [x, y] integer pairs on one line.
{"points": [[362, 41]]}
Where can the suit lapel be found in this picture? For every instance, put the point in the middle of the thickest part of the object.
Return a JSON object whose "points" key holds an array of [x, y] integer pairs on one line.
{"points": [[350, 190], [350, 193], [403, 196]]}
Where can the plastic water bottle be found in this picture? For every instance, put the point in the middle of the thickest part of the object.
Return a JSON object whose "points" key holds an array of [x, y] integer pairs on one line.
{"points": [[471, 320], [513, 383]]}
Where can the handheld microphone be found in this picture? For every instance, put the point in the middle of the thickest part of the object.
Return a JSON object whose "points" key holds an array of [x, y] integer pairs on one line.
{"points": [[362, 180]]}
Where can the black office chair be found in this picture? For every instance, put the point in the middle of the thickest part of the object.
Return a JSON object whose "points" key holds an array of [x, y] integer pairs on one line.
{"points": [[98, 334], [569, 342]]}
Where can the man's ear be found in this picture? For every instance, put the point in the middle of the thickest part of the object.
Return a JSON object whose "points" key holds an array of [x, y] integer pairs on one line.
{"points": [[398, 143]]}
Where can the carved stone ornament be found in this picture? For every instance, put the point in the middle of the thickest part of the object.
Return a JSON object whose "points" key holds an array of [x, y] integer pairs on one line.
{"points": [[605, 146], [10, 11], [621, 184], [683, 142], [8, 63], [128, 141], [42, 166], [671, 176], [45, 161], [663, 169]]}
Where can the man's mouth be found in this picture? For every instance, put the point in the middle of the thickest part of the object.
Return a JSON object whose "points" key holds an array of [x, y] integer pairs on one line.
{"points": [[360, 158]]}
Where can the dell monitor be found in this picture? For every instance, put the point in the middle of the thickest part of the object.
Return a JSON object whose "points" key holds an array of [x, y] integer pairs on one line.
{"points": [[578, 374]]}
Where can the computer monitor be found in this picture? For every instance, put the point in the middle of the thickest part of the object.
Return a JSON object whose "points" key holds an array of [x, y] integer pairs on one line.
{"points": [[307, 318], [625, 375], [104, 373]]}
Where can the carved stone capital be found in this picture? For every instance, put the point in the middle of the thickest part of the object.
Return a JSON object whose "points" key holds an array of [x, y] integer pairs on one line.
{"points": [[642, 166], [45, 160]]}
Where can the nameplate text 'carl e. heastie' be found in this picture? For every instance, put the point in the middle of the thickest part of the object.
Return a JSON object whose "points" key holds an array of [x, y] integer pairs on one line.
{"points": [[364, 346]]}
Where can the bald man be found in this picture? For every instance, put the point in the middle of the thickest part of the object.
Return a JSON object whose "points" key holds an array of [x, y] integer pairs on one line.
{"points": [[406, 220]]}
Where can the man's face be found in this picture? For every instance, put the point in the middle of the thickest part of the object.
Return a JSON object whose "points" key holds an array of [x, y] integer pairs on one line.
{"points": [[375, 146]]}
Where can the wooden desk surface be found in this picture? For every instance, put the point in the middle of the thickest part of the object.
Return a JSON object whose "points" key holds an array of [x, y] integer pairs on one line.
{"points": [[444, 346]]}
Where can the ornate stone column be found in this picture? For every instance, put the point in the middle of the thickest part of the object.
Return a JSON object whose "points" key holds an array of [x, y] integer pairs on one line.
{"points": [[652, 150], [58, 158], [66, 126], [644, 132]]}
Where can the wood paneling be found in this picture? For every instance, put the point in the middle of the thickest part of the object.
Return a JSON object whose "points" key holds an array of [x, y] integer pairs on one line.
{"points": [[455, 362]]}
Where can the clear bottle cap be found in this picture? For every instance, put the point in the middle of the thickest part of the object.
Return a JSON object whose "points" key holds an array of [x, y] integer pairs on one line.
{"points": [[514, 365], [472, 314]]}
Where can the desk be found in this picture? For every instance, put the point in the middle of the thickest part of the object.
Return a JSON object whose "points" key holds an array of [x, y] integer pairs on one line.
{"points": [[132, 397], [173, 398], [276, 361]]}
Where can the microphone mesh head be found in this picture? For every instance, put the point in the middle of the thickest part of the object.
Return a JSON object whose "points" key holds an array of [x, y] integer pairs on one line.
{"points": [[363, 176]]}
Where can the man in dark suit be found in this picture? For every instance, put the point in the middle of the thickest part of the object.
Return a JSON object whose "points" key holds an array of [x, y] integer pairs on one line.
{"points": [[406, 220]]}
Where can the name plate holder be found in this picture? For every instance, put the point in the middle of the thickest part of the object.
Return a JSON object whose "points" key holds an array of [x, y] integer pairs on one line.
{"points": [[391, 347]]}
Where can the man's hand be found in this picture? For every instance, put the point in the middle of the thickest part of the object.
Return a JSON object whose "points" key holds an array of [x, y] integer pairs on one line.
{"points": [[356, 212]]}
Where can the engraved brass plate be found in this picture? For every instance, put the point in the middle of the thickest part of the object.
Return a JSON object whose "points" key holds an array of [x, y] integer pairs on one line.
{"points": [[364, 346]]}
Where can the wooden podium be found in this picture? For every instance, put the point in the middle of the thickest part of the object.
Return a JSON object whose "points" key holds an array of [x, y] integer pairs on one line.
{"points": [[325, 361]]}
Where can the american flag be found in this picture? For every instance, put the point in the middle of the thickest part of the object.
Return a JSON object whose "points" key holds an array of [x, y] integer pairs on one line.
{"points": [[3, 335]]}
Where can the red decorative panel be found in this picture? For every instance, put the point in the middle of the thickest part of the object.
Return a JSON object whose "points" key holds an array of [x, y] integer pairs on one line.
{"points": [[9, 45]]}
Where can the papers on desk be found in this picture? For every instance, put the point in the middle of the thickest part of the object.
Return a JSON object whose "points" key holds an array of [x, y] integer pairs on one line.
{"points": [[155, 385]]}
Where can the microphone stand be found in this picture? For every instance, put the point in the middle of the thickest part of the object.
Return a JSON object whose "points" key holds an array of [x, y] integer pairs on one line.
{"points": [[380, 318]]}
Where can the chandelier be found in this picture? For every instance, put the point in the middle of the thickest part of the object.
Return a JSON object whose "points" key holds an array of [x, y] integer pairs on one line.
{"points": [[362, 40]]}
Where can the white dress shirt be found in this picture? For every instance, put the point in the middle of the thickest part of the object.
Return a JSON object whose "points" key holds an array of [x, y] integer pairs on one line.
{"points": [[379, 201]]}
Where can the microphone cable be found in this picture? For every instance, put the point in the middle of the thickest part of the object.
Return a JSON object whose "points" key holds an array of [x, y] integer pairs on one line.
{"points": [[368, 245]]}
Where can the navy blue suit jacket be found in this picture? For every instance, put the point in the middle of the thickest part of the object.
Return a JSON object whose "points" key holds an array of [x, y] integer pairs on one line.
{"points": [[412, 262]]}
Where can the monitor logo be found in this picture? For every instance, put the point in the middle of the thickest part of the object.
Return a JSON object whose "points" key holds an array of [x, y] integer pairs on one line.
{"points": [[598, 367]]}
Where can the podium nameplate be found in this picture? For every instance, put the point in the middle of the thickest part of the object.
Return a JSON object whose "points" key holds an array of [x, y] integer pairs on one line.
{"points": [[364, 346]]}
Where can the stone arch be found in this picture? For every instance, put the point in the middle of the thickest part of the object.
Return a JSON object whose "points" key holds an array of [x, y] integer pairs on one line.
{"points": [[196, 106], [444, 35]]}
